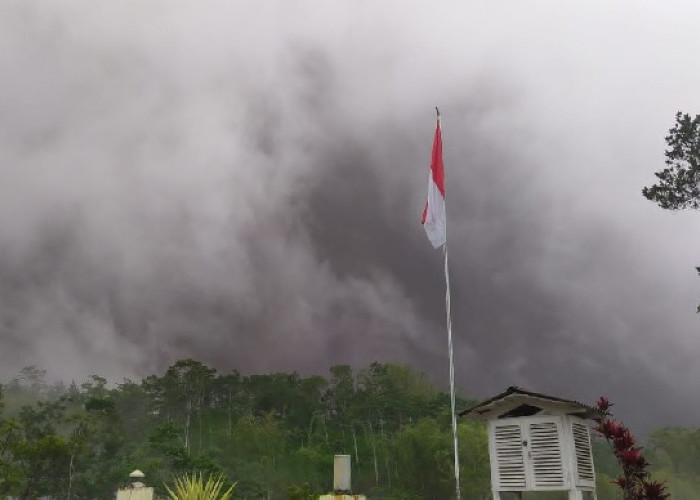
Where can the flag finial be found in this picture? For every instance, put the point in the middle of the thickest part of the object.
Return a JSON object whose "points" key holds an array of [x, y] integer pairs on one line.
{"points": [[437, 110]]}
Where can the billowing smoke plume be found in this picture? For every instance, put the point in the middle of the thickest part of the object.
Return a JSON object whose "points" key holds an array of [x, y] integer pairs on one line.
{"points": [[242, 183]]}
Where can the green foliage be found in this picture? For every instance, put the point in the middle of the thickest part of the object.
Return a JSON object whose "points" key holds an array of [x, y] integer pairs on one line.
{"points": [[675, 457], [301, 492], [474, 470], [679, 182], [35, 457], [276, 434], [606, 489], [424, 449], [678, 185]]}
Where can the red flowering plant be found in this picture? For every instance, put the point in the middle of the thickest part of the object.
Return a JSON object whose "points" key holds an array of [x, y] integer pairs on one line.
{"points": [[635, 481]]}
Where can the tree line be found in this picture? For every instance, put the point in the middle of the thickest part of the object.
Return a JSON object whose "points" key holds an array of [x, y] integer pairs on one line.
{"points": [[273, 434]]}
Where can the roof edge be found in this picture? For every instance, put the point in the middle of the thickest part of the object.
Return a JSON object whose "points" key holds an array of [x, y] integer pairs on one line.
{"points": [[587, 410]]}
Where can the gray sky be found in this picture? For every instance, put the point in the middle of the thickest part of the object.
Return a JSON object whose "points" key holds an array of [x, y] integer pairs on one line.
{"points": [[242, 182]]}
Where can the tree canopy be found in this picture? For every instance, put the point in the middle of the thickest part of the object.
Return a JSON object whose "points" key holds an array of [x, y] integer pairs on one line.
{"points": [[678, 185], [274, 435]]}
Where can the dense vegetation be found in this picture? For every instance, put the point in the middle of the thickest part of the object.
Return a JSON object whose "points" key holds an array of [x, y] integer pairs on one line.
{"points": [[275, 435]]}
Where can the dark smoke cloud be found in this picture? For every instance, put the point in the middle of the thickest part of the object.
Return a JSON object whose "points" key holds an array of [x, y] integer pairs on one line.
{"points": [[242, 184]]}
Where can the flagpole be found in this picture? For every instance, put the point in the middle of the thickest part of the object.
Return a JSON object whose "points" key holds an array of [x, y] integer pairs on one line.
{"points": [[450, 350]]}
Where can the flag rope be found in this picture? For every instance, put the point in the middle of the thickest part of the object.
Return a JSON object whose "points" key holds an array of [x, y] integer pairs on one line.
{"points": [[450, 350]]}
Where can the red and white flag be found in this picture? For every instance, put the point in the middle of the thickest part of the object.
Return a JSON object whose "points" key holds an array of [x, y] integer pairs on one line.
{"points": [[434, 219]]}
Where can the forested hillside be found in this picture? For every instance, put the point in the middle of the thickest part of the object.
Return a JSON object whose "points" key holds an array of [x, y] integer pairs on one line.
{"points": [[274, 434]]}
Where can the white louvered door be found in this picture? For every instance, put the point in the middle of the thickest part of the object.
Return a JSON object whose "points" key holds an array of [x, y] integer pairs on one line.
{"points": [[527, 454], [508, 457], [585, 474], [545, 454]]}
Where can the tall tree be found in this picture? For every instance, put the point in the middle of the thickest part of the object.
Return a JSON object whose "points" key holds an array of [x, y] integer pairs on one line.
{"points": [[181, 392], [40, 452], [679, 182]]}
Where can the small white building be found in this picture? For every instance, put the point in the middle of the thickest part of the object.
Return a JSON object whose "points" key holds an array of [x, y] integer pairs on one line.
{"points": [[537, 443]]}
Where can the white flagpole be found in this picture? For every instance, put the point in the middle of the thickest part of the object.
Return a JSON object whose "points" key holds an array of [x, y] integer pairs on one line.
{"points": [[449, 349]]}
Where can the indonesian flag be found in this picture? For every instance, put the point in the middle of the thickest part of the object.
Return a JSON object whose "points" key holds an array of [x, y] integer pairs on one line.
{"points": [[434, 219]]}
